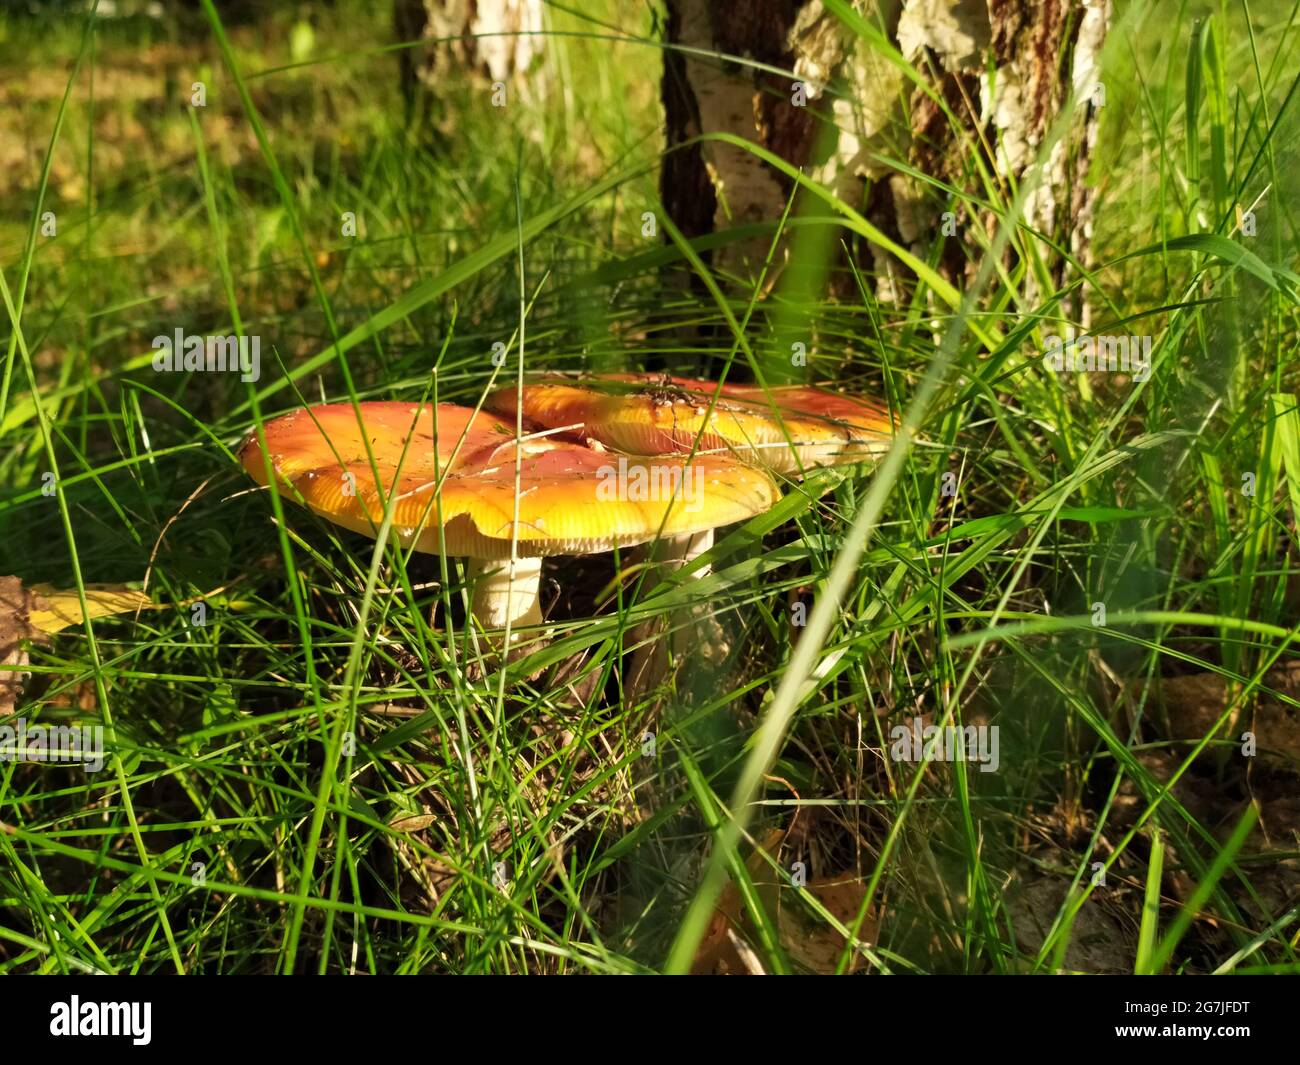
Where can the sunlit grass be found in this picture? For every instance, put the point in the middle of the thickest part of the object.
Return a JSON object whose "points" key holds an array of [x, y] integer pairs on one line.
{"points": [[331, 775]]}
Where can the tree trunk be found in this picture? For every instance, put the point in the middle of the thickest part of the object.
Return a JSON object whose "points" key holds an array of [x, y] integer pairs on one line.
{"points": [[843, 110], [495, 42]]}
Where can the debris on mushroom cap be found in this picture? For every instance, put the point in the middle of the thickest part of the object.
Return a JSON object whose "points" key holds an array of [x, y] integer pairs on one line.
{"points": [[654, 414], [573, 498]]}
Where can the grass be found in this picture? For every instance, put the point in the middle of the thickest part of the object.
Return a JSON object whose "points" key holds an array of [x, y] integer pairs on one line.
{"points": [[330, 775]]}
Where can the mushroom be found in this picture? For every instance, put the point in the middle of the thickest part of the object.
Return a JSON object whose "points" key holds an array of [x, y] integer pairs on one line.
{"points": [[452, 482], [786, 428]]}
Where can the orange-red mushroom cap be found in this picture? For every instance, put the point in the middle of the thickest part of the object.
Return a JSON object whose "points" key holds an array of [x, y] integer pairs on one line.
{"points": [[574, 498], [657, 414]]}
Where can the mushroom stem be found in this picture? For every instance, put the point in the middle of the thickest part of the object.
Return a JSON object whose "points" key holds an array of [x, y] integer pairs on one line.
{"points": [[674, 552], [506, 593], [650, 655]]}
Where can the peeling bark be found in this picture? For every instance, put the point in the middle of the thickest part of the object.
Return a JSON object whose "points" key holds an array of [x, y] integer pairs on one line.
{"points": [[860, 108]]}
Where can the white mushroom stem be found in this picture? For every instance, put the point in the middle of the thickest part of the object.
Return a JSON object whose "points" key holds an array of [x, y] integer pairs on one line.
{"points": [[506, 593], [650, 655], [674, 552]]}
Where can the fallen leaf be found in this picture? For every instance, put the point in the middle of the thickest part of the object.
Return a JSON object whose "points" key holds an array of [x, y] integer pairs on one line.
{"points": [[806, 937], [15, 627], [36, 612], [717, 953], [411, 822], [814, 943], [53, 610]]}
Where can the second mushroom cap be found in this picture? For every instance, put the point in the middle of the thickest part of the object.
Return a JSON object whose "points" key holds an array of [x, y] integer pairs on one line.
{"points": [[784, 428]]}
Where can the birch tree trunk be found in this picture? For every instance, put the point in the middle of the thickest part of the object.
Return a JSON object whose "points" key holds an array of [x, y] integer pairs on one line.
{"points": [[1005, 68], [494, 42]]}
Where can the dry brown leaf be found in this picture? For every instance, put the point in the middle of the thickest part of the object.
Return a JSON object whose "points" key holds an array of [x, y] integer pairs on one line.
{"points": [[806, 937], [15, 627], [412, 822], [717, 953], [39, 611], [812, 942]]}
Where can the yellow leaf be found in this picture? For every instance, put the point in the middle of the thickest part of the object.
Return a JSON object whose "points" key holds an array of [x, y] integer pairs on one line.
{"points": [[54, 610]]}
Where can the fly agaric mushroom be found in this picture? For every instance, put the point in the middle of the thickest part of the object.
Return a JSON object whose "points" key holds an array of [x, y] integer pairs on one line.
{"points": [[786, 428], [452, 477]]}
